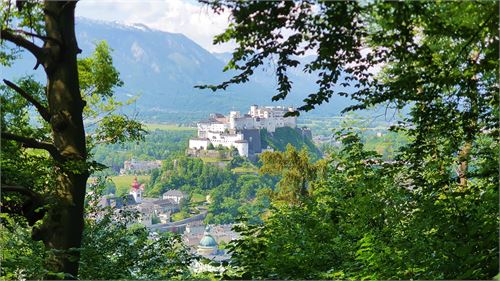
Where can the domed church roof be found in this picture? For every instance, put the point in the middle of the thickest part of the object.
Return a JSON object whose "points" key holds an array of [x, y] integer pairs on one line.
{"points": [[207, 240]]}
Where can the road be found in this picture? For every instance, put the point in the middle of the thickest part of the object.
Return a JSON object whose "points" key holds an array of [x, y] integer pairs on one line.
{"points": [[178, 224]]}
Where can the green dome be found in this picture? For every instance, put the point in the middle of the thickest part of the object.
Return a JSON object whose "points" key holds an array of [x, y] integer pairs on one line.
{"points": [[208, 241]]}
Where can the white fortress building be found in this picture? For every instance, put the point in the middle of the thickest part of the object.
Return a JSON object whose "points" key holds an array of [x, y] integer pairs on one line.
{"points": [[235, 130]]}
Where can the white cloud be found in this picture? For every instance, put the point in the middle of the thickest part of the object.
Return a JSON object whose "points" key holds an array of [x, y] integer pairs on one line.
{"points": [[188, 17]]}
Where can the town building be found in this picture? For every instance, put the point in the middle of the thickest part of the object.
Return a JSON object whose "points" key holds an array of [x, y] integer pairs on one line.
{"points": [[174, 195], [267, 117], [136, 190], [135, 166], [154, 210], [207, 245], [116, 201], [195, 232], [151, 210]]}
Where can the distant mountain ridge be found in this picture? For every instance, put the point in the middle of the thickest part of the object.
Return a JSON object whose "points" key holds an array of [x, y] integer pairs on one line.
{"points": [[164, 67]]}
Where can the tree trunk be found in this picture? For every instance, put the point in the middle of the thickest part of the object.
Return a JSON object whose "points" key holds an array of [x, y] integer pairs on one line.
{"points": [[463, 165], [62, 228]]}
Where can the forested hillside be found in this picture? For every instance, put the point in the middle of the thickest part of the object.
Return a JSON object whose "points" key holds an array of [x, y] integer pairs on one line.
{"points": [[231, 195]]}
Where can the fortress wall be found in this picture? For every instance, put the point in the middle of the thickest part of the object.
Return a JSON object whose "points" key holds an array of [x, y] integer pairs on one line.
{"points": [[252, 136]]}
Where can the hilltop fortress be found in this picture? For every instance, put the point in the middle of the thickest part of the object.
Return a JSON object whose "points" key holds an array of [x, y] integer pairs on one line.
{"points": [[241, 131]]}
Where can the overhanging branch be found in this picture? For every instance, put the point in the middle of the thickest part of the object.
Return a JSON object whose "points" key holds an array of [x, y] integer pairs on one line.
{"points": [[18, 189], [41, 37], [41, 109], [23, 42], [31, 208], [32, 143]]}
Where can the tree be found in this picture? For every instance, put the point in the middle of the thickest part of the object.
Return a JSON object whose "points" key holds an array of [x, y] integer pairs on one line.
{"points": [[441, 58], [22, 257], [279, 31], [52, 195], [184, 203], [349, 39], [296, 170], [437, 59], [366, 221]]}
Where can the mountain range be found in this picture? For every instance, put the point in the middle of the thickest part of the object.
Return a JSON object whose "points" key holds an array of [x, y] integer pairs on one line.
{"points": [[163, 68]]}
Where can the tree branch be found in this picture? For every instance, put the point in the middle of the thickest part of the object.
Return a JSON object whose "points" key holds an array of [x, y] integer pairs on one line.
{"points": [[41, 37], [18, 189], [32, 143], [22, 42], [41, 109], [32, 208], [453, 64]]}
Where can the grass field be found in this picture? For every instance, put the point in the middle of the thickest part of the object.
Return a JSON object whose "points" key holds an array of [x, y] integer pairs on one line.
{"points": [[123, 182], [212, 159], [197, 198], [180, 216], [245, 170], [167, 127]]}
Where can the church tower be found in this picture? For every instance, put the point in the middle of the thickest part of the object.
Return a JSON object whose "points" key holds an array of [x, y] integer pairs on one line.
{"points": [[136, 190]]}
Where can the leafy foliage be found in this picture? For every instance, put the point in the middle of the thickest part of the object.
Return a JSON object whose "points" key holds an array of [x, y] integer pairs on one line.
{"points": [[98, 80], [157, 144], [281, 31], [430, 213], [53, 151], [367, 221], [22, 258], [296, 172], [98, 77]]}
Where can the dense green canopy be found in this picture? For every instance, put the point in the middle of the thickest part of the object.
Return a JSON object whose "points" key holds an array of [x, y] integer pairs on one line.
{"points": [[430, 213]]}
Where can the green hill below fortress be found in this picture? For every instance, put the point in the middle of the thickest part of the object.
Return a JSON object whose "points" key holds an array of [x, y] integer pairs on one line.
{"points": [[298, 138]]}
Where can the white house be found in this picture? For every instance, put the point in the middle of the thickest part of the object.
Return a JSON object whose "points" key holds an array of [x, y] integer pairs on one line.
{"points": [[174, 195]]}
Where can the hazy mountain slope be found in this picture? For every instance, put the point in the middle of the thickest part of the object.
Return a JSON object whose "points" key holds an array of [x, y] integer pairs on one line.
{"points": [[164, 67]]}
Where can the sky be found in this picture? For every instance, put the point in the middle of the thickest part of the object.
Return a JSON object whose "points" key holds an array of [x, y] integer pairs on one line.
{"points": [[188, 17]]}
